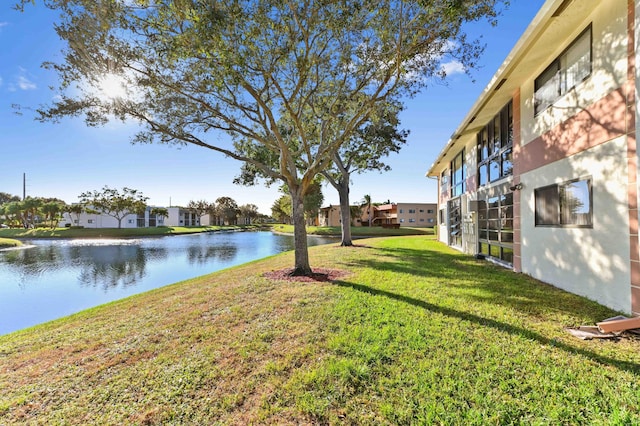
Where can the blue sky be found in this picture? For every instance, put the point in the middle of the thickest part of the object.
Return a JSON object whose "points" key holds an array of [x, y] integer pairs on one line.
{"points": [[65, 159]]}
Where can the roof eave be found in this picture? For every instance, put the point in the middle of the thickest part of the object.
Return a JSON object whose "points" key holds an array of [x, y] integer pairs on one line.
{"points": [[501, 76]]}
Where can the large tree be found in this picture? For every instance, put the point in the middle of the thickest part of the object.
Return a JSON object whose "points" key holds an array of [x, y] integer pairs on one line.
{"points": [[31, 210], [52, 211], [363, 152], [185, 68], [13, 213], [281, 209], [249, 213], [228, 209], [114, 203], [5, 198]]}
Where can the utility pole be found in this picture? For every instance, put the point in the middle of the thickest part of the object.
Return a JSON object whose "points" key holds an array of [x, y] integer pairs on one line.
{"points": [[24, 186]]}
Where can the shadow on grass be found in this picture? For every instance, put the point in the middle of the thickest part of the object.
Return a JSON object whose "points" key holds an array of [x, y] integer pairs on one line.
{"points": [[497, 325], [467, 275]]}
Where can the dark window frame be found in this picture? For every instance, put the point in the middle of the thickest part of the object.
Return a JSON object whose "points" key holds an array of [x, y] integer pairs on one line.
{"points": [[555, 75], [496, 227], [551, 213], [458, 185], [454, 210], [444, 181], [496, 150]]}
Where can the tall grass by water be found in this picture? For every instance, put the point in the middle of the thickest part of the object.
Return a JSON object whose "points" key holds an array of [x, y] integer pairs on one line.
{"points": [[414, 333]]}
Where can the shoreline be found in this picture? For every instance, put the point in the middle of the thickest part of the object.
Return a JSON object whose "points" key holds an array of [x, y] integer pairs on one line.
{"points": [[97, 233]]}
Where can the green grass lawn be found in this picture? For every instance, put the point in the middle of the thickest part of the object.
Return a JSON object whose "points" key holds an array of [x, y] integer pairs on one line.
{"points": [[8, 242], [357, 231], [113, 232], [414, 333]]}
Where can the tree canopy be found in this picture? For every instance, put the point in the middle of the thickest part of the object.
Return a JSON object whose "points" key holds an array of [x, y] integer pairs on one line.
{"points": [[364, 151], [114, 203], [200, 208], [5, 198], [296, 78], [31, 212]]}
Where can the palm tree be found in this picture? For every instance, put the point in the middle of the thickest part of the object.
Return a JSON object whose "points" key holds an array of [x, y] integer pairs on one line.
{"points": [[366, 201], [159, 212]]}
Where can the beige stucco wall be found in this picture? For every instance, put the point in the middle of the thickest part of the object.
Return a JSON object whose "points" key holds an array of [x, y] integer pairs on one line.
{"points": [[590, 262], [425, 214]]}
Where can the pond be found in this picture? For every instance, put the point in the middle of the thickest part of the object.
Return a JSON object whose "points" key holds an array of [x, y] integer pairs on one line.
{"points": [[54, 278]]}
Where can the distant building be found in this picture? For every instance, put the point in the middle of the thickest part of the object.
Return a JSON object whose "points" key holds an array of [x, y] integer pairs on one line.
{"points": [[329, 216], [101, 220], [406, 214], [179, 216], [400, 214]]}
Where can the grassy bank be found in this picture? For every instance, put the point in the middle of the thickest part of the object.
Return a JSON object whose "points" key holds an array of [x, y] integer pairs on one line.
{"points": [[357, 231], [8, 242], [113, 232], [414, 334]]}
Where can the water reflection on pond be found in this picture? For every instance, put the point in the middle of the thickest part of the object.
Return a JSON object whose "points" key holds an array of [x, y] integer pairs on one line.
{"points": [[59, 277]]}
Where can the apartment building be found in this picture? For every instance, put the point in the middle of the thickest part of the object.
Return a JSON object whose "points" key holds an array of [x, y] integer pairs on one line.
{"points": [[100, 220], [397, 214], [541, 175], [405, 214]]}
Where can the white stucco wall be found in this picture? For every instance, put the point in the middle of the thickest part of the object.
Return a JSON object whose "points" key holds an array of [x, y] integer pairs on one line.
{"points": [[590, 262], [174, 217], [609, 70]]}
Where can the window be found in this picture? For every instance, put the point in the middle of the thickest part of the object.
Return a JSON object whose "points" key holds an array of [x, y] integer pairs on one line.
{"points": [[430, 211], [428, 220], [400, 211], [401, 220], [444, 182], [571, 68], [566, 204], [75, 221], [495, 147], [412, 211], [455, 223], [130, 221], [495, 227], [421, 211], [140, 220], [412, 220], [90, 221], [422, 220], [458, 172]]}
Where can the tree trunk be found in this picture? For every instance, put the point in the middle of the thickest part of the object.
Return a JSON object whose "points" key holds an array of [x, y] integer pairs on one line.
{"points": [[301, 251], [345, 212]]}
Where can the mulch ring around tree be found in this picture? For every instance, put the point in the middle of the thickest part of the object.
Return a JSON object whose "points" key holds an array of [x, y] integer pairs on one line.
{"points": [[318, 275]]}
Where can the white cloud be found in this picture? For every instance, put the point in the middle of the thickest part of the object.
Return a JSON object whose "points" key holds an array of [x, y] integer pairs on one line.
{"points": [[453, 67], [3, 24], [22, 81], [25, 84]]}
